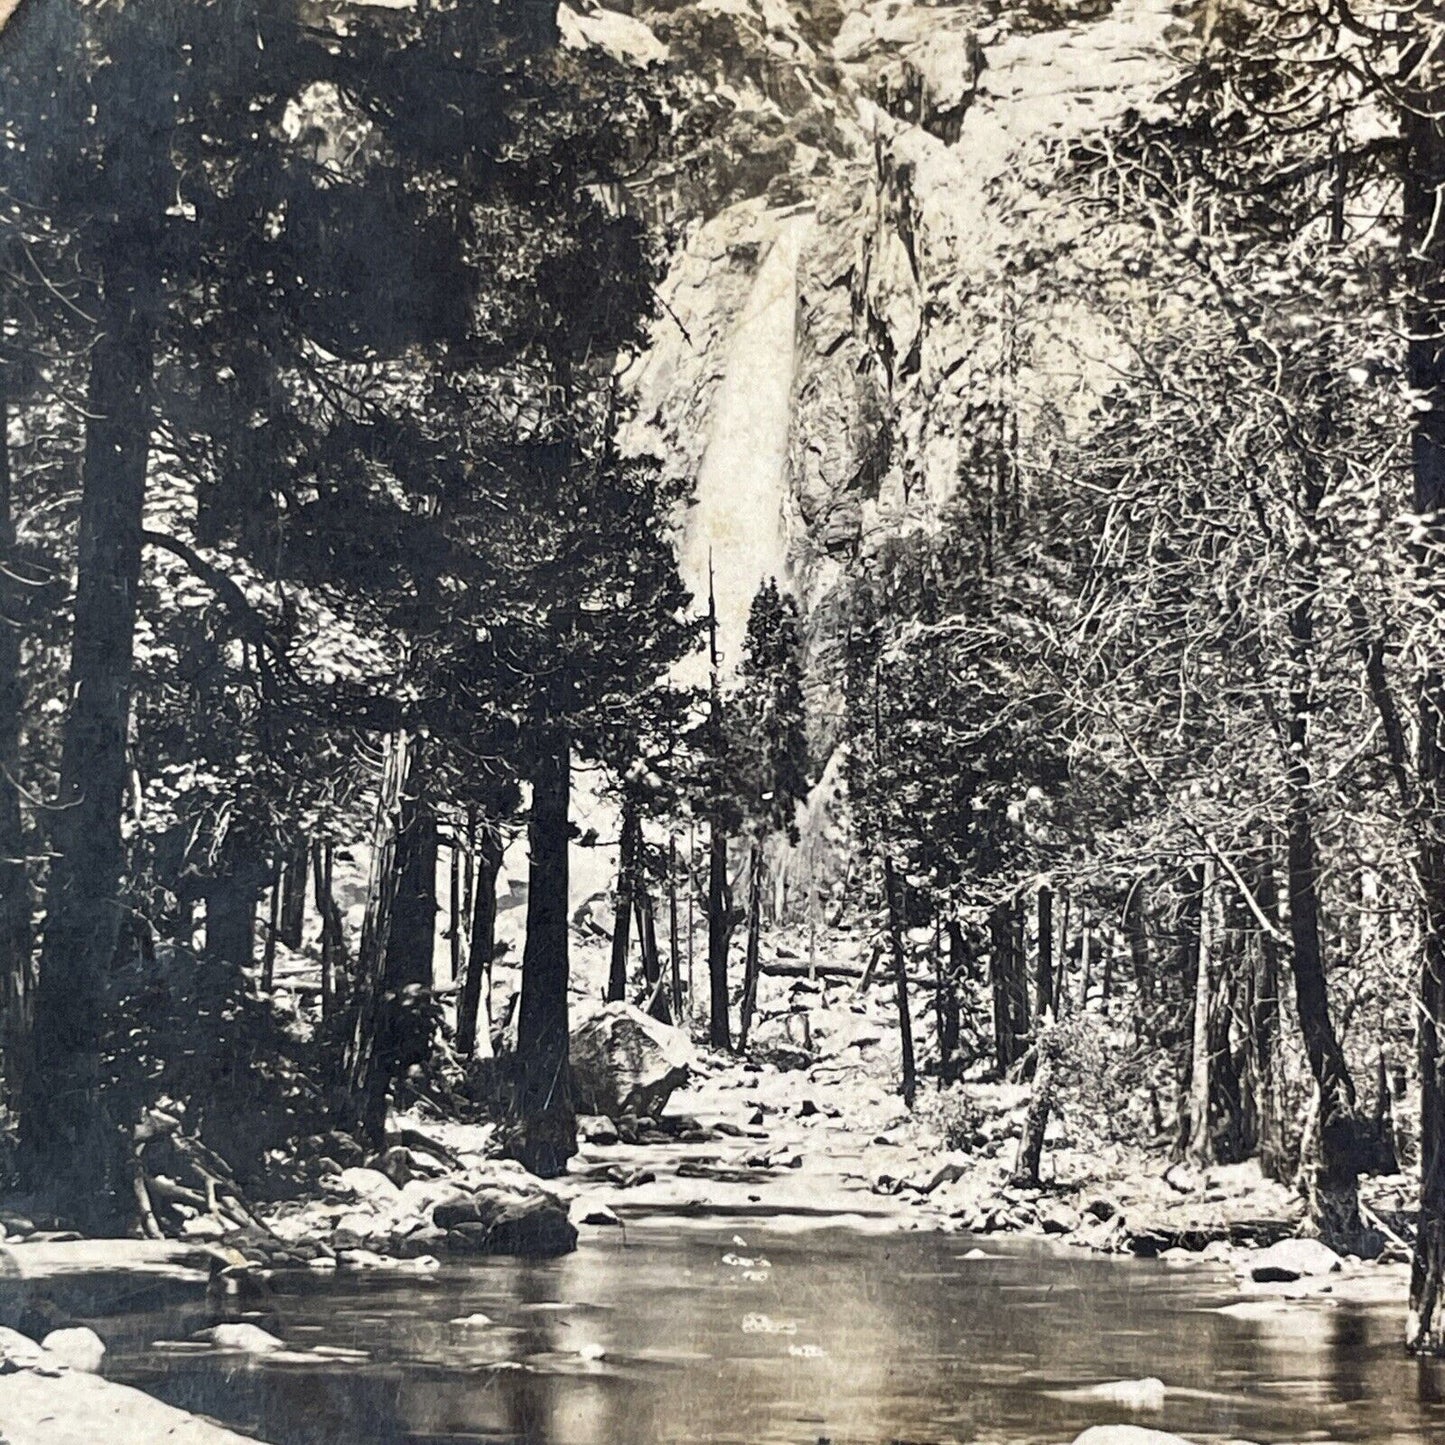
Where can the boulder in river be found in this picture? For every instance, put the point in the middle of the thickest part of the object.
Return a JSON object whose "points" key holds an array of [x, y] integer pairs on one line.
{"points": [[1146, 1394], [596, 1129], [1292, 1259], [626, 1062], [505, 1221], [251, 1339], [80, 1348]]}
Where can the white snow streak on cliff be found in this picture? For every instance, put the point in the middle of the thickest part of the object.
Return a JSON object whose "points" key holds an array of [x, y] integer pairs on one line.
{"points": [[737, 518]]}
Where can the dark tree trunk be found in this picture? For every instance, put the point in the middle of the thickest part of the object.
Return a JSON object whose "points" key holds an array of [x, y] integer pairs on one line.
{"points": [[719, 891], [292, 918], [719, 935], [1010, 991], [1332, 1178], [1233, 1126], [627, 850], [411, 942], [673, 937], [1199, 1145], [454, 911], [17, 943], [372, 1045], [651, 960], [1045, 972], [333, 937], [950, 980], [484, 937], [1187, 971], [1423, 132], [750, 958], [273, 932], [1138, 937], [1268, 1106], [72, 1146], [546, 1123], [231, 916], [900, 977], [1036, 1120]]}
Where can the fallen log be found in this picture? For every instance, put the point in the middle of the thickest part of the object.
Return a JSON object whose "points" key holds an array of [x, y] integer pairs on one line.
{"points": [[832, 970]]}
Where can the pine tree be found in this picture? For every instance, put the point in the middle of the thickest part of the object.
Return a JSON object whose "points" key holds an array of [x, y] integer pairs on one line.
{"points": [[768, 752]]}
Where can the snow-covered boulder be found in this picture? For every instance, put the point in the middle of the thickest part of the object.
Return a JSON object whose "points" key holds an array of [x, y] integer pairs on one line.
{"points": [[1292, 1259], [80, 1348], [626, 1062], [250, 1339], [531, 1223]]}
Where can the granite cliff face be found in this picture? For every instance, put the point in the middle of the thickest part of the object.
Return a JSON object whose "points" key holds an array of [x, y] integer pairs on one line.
{"points": [[849, 181]]}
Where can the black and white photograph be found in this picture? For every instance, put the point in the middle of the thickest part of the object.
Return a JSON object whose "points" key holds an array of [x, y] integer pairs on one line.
{"points": [[722, 722]]}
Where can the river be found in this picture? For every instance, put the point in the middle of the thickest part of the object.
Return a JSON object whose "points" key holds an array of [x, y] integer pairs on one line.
{"points": [[729, 1332]]}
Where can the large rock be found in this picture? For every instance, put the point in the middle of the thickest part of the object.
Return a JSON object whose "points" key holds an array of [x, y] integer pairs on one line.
{"points": [[626, 1062], [251, 1339], [504, 1221], [20, 1352], [1292, 1259], [80, 1348]]}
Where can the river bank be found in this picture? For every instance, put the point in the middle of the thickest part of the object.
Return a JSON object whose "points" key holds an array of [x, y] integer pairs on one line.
{"points": [[806, 1133]]}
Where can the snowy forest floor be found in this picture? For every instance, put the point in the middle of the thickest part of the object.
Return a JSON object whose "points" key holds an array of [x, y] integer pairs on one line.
{"points": [[800, 1135]]}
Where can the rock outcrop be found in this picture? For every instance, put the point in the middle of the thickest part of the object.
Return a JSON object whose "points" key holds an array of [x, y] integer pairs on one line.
{"points": [[627, 1064]]}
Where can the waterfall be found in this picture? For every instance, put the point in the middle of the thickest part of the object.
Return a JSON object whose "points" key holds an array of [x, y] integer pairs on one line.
{"points": [[737, 517]]}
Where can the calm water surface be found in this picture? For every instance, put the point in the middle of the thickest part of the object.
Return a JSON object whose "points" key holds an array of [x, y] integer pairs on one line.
{"points": [[840, 1337]]}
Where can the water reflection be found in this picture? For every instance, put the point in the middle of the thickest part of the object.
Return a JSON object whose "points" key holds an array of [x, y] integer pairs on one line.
{"points": [[836, 1336]]}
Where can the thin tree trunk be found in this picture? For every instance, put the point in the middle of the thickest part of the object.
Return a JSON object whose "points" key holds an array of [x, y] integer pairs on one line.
{"points": [[750, 963], [1423, 164], [72, 1147], [411, 943], [900, 976], [1004, 978], [1036, 1120], [1199, 1148], [719, 934], [1269, 1112], [651, 959], [1045, 972], [476, 984], [627, 850], [948, 1012], [17, 942], [333, 937], [273, 931], [367, 1064], [1332, 1181], [454, 913], [546, 1135], [292, 918], [719, 891], [1138, 953], [1061, 974], [1189, 924], [1010, 988], [673, 939]]}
